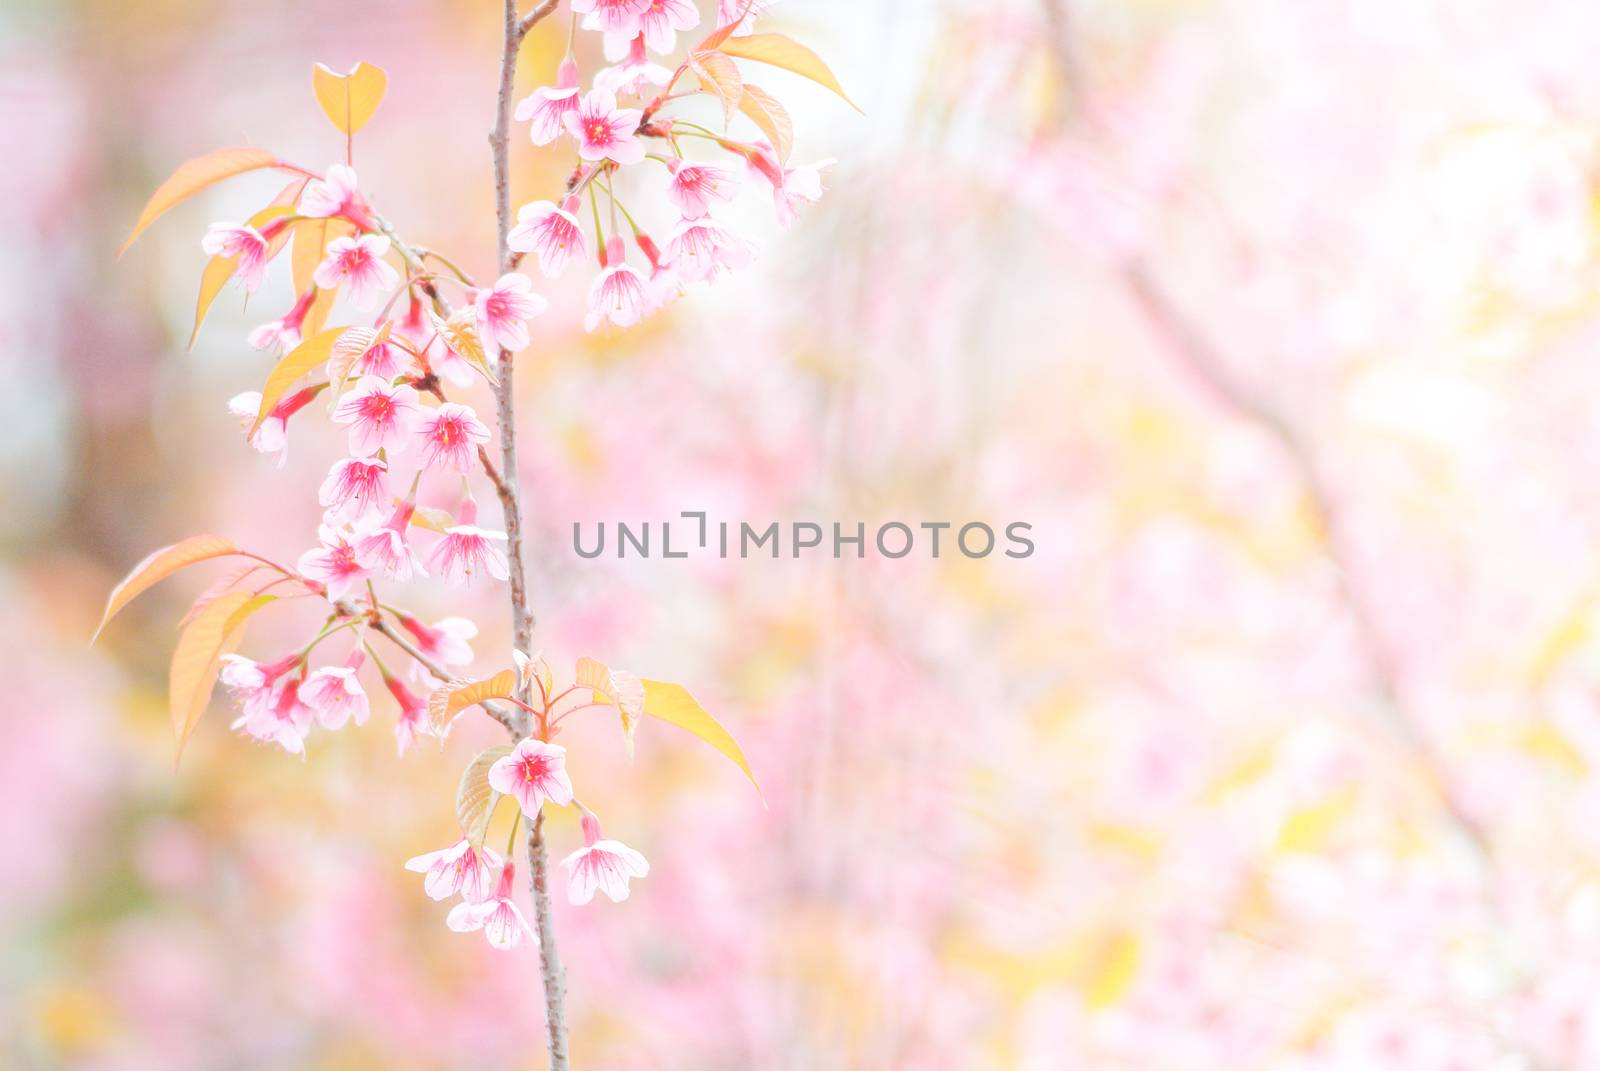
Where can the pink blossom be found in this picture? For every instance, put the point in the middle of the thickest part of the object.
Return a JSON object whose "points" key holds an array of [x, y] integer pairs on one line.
{"points": [[729, 10], [333, 196], [271, 437], [503, 309], [791, 187], [385, 360], [416, 327], [451, 435], [283, 334], [444, 641], [695, 186], [463, 868], [635, 72], [614, 17], [358, 264], [618, 292], [534, 772], [601, 864], [269, 701], [604, 131], [381, 417], [701, 248], [333, 564], [546, 108], [413, 714], [467, 549], [550, 231], [244, 242], [384, 548], [354, 487], [335, 695], [498, 917], [660, 22]]}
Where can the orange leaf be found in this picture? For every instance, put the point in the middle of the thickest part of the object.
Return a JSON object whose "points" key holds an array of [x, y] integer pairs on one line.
{"points": [[196, 660], [771, 117], [778, 50], [157, 567], [446, 702], [296, 363], [720, 75], [194, 176], [474, 798], [348, 100]]}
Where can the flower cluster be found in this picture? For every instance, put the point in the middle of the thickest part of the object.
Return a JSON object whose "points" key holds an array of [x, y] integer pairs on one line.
{"points": [[399, 507]]}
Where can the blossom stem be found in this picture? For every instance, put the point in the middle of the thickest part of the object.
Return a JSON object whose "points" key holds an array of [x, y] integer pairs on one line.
{"points": [[522, 619]]}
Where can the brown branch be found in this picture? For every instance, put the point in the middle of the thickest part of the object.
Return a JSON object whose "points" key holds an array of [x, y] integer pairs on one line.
{"points": [[505, 481]]}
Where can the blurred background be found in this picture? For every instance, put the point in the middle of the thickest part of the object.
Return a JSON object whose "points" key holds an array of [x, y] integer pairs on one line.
{"points": [[1276, 321]]}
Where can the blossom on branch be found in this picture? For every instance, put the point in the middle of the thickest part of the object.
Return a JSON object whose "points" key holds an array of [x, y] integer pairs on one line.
{"points": [[534, 772], [601, 864]]}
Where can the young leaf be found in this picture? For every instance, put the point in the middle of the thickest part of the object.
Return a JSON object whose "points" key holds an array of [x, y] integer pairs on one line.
{"points": [[460, 333], [157, 567], [351, 347], [348, 100], [446, 702], [772, 117], [221, 587], [311, 238], [672, 703], [296, 363], [720, 75], [220, 269], [614, 686], [194, 176], [214, 632], [474, 798], [778, 50]]}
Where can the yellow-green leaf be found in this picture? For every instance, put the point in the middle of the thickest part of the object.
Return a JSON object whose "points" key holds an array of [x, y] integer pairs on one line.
{"points": [[673, 704], [157, 567], [772, 117], [474, 798], [349, 100], [351, 347], [220, 269], [296, 363], [214, 632], [460, 333], [446, 702], [777, 50], [194, 176], [720, 75]]}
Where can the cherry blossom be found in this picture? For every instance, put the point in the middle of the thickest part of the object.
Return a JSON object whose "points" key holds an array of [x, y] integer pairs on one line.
{"points": [[694, 186], [424, 337], [451, 436], [354, 487], [333, 563], [332, 196], [358, 264], [551, 231], [467, 550], [601, 864], [335, 695], [381, 417], [269, 701], [244, 242], [730, 10], [636, 71], [604, 131], [534, 772], [503, 310], [792, 186], [701, 248], [663, 19], [498, 917], [385, 547], [463, 869], [621, 18], [443, 641], [271, 437], [546, 108], [413, 718], [283, 334], [618, 293]]}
